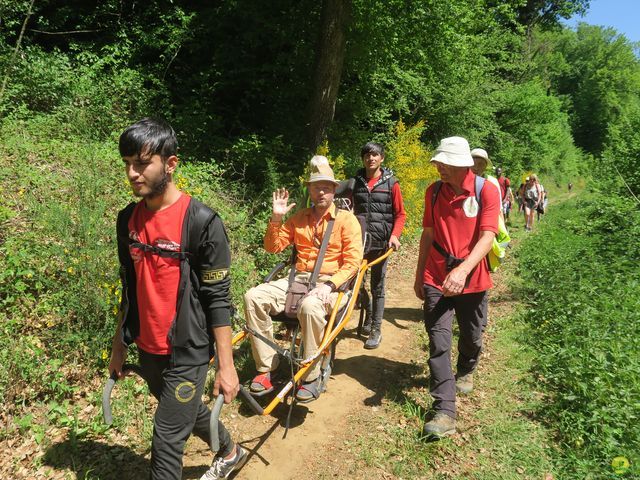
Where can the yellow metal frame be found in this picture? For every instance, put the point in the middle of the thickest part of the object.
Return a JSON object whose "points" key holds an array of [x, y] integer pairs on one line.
{"points": [[330, 334]]}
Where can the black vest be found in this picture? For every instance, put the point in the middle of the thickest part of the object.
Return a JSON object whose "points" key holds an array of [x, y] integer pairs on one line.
{"points": [[375, 207]]}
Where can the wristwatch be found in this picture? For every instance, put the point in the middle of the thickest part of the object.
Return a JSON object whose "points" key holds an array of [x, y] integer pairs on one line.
{"points": [[332, 285]]}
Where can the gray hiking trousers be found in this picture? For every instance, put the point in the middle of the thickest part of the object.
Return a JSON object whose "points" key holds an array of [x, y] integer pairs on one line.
{"points": [[471, 312]]}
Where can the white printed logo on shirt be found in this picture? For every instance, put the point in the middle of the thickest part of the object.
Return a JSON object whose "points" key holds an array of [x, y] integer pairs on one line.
{"points": [[470, 207]]}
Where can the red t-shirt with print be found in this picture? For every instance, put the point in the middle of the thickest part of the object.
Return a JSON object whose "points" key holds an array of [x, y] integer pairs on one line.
{"points": [[457, 228], [157, 277]]}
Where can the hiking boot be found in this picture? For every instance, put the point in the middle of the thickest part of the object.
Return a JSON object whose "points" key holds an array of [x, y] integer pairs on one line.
{"points": [[464, 383], [440, 426], [375, 337], [366, 327], [221, 468]]}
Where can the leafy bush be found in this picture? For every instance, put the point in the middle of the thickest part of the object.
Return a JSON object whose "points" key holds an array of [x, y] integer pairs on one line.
{"points": [[581, 278], [86, 94], [409, 159]]}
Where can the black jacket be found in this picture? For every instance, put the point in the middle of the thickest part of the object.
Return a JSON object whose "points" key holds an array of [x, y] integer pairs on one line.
{"points": [[375, 207], [203, 291]]}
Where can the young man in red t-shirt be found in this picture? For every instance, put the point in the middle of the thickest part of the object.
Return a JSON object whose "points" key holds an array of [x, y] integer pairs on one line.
{"points": [[452, 275], [174, 320]]}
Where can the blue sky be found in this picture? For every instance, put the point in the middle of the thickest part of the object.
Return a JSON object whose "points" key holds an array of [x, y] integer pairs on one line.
{"points": [[623, 15]]}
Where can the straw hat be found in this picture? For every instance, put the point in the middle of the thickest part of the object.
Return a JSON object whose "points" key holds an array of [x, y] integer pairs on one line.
{"points": [[453, 151], [321, 171]]}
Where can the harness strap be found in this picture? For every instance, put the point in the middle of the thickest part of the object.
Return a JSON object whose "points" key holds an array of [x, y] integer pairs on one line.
{"points": [[161, 252], [318, 265], [323, 249], [451, 260], [201, 217]]}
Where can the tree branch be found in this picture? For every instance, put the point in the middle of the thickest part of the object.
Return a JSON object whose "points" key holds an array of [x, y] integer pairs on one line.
{"points": [[15, 50], [70, 32]]}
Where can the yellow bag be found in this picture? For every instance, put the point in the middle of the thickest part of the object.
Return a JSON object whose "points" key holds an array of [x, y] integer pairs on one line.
{"points": [[499, 248]]}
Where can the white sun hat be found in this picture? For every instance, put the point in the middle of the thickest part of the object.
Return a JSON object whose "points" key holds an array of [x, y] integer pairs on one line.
{"points": [[453, 151]]}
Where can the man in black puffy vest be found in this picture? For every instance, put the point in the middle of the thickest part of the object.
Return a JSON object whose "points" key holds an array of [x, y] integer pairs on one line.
{"points": [[378, 201]]}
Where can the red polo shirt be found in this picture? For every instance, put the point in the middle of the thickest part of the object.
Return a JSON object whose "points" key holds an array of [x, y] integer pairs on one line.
{"points": [[457, 228]]}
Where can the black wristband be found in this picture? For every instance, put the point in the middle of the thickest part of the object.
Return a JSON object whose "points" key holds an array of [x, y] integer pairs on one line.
{"points": [[332, 285]]}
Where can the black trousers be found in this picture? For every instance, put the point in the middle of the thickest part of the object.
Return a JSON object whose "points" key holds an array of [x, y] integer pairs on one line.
{"points": [[180, 411], [471, 312], [375, 306]]}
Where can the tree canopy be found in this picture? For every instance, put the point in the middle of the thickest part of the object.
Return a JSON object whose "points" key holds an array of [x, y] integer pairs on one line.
{"points": [[255, 87]]}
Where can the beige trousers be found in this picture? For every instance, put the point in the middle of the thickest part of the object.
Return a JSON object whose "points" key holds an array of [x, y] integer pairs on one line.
{"points": [[268, 299]]}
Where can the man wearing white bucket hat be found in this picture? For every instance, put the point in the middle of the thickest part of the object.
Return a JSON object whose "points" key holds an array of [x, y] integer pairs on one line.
{"points": [[459, 224]]}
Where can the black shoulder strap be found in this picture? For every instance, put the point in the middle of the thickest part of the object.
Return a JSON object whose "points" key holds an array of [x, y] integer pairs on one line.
{"points": [[200, 217], [122, 234], [123, 221], [323, 249], [434, 195]]}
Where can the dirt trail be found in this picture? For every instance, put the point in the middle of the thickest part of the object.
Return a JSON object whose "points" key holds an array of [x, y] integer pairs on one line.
{"points": [[357, 386]]}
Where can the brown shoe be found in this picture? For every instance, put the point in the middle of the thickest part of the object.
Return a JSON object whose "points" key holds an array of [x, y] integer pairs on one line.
{"points": [[464, 384], [440, 426]]}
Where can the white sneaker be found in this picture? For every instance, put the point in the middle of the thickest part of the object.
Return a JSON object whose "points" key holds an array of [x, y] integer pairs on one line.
{"points": [[221, 468]]}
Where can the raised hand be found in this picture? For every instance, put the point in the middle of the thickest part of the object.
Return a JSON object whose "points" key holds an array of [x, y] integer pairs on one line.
{"points": [[280, 204]]}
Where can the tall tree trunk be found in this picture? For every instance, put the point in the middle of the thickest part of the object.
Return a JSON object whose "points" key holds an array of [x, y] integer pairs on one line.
{"points": [[15, 50], [328, 70]]}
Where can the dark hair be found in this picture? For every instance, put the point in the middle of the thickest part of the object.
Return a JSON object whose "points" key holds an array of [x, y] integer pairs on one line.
{"points": [[372, 147], [149, 136]]}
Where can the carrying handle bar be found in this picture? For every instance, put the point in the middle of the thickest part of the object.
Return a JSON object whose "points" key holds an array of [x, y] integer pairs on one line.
{"points": [[247, 397], [214, 441], [108, 388]]}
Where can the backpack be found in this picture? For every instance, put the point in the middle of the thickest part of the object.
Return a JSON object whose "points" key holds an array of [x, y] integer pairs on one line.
{"points": [[498, 250]]}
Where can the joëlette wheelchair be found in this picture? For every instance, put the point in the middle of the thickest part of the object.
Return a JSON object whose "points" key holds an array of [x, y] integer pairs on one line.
{"points": [[336, 322]]}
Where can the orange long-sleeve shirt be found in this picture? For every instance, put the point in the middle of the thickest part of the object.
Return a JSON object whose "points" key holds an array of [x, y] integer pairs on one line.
{"points": [[344, 251]]}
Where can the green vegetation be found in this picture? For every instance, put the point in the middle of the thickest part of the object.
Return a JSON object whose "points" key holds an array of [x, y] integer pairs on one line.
{"points": [[580, 274], [239, 82], [501, 436]]}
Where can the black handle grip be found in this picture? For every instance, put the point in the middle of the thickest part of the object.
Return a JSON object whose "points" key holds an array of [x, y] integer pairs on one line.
{"points": [[214, 441], [108, 388]]}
